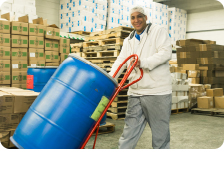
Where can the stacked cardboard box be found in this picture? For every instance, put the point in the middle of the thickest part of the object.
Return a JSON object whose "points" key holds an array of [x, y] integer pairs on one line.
{"points": [[213, 99], [36, 43], [64, 48], [14, 104], [5, 53], [52, 37], [195, 91], [193, 73]]}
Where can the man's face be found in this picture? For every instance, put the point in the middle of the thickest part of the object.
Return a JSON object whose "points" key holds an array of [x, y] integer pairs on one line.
{"points": [[138, 21]]}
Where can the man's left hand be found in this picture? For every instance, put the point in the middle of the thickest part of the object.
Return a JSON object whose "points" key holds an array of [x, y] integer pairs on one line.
{"points": [[138, 63]]}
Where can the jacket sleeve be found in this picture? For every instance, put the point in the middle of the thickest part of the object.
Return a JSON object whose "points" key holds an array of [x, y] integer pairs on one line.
{"points": [[122, 56], [164, 54]]}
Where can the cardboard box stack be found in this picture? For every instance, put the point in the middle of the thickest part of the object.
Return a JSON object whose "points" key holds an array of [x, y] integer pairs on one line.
{"points": [[5, 53], [52, 38], [36, 43], [193, 73], [213, 99], [179, 88], [64, 48], [14, 104], [195, 91]]}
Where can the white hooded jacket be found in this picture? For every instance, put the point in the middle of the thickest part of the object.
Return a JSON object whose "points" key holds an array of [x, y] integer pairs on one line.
{"points": [[154, 53]]}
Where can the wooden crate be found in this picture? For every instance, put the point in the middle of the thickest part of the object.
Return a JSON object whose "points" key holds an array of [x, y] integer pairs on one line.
{"points": [[113, 53], [116, 116]]}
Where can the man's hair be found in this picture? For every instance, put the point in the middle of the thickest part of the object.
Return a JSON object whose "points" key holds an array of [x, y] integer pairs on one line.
{"points": [[137, 9]]}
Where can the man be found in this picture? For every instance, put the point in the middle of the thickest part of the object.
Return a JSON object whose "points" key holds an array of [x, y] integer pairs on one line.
{"points": [[149, 99]]}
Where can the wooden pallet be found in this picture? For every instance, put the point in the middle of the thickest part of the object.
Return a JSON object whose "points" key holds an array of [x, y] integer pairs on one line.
{"points": [[106, 128], [119, 103], [111, 41], [81, 33], [209, 112], [117, 109], [102, 48], [178, 111], [112, 53], [96, 60], [80, 44], [121, 34], [121, 98], [76, 50], [117, 116]]}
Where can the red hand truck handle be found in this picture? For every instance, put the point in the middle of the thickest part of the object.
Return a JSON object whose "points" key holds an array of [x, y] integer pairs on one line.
{"points": [[128, 72]]}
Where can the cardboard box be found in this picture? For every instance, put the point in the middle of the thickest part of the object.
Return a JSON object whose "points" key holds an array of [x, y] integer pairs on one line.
{"points": [[52, 32], [19, 41], [53, 64], [9, 119], [64, 45], [52, 45], [19, 65], [205, 102], [65, 56], [36, 42], [203, 73], [215, 92], [186, 60], [189, 54], [191, 66], [207, 86], [205, 47], [194, 80], [4, 136], [5, 53], [37, 63], [193, 42], [5, 27], [10, 135], [52, 56], [20, 27], [23, 100], [5, 78], [193, 73], [21, 86], [5, 40], [6, 102], [196, 88], [19, 77], [5, 65], [219, 102], [36, 54], [36, 30], [186, 49], [19, 54], [219, 73]]}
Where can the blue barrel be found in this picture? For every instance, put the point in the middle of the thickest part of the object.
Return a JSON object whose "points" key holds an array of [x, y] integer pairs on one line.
{"points": [[67, 108], [38, 76]]}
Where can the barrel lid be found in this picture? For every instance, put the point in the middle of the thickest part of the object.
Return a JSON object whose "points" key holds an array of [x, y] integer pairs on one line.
{"points": [[39, 67], [95, 66]]}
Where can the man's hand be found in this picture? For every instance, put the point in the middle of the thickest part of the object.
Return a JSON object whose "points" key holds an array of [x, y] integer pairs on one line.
{"points": [[138, 63]]}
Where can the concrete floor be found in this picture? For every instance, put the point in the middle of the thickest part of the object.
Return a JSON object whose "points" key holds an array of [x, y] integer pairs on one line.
{"points": [[188, 131]]}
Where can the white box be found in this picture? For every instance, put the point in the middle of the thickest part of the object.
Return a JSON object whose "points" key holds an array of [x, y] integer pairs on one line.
{"points": [[31, 17], [19, 2], [6, 7], [174, 99], [30, 3], [9, 1], [18, 8], [30, 10]]}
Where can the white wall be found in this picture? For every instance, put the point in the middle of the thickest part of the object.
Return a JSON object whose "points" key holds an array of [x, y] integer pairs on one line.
{"points": [[48, 9], [206, 25]]}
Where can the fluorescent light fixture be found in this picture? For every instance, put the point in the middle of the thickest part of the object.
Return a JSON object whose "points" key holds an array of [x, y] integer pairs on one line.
{"points": [[221, 1]]}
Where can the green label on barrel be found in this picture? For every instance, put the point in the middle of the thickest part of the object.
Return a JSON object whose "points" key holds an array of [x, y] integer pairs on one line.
{"points": [[100, 108]]}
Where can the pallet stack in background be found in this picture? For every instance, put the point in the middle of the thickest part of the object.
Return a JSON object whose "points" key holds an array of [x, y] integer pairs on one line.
{"points": [[103, 51], [14, 104], [5, 49]]}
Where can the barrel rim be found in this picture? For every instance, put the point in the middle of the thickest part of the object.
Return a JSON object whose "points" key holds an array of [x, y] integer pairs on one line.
{"points": [[95, 66], [43, 67]]}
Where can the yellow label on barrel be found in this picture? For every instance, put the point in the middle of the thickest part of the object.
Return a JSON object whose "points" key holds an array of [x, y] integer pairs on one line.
{"points": [[100, 108]]}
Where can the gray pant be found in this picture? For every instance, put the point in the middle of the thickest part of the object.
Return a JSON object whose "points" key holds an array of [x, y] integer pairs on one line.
{"points": [[154, 109]]}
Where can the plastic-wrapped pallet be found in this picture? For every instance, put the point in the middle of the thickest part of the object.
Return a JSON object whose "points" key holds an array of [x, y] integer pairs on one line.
{"points": [[180, 88], [177, 24]]}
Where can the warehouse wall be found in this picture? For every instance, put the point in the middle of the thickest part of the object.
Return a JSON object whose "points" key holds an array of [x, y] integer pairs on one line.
{"points": [[206, 25], [48, 9]]}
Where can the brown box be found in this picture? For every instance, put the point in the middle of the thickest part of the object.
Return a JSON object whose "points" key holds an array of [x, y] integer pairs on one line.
{"points": [[205, 47], [205, 102], [23, 100], [36, 30], [19, 54], [218, 54], [5, 53], [20, 27], [5, 65], [215, 92], [52, 45], [194, 80], [53, 64], [193, 42], [193, 73], [10, 135], [219, 73], [4, 136], [19, 65], [65, 56], [191, 66], [6, 102], [186, 49], [21, 86], [5, 40], [9, 119], [19, 77], [219, 102], [52, 56], [36, 54], [204, 73], [4, 26], [37, 63], [19, 41], [189, 54], [52, 32], [36, 42], [196, 88], [64, 45], [5, 78]]}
